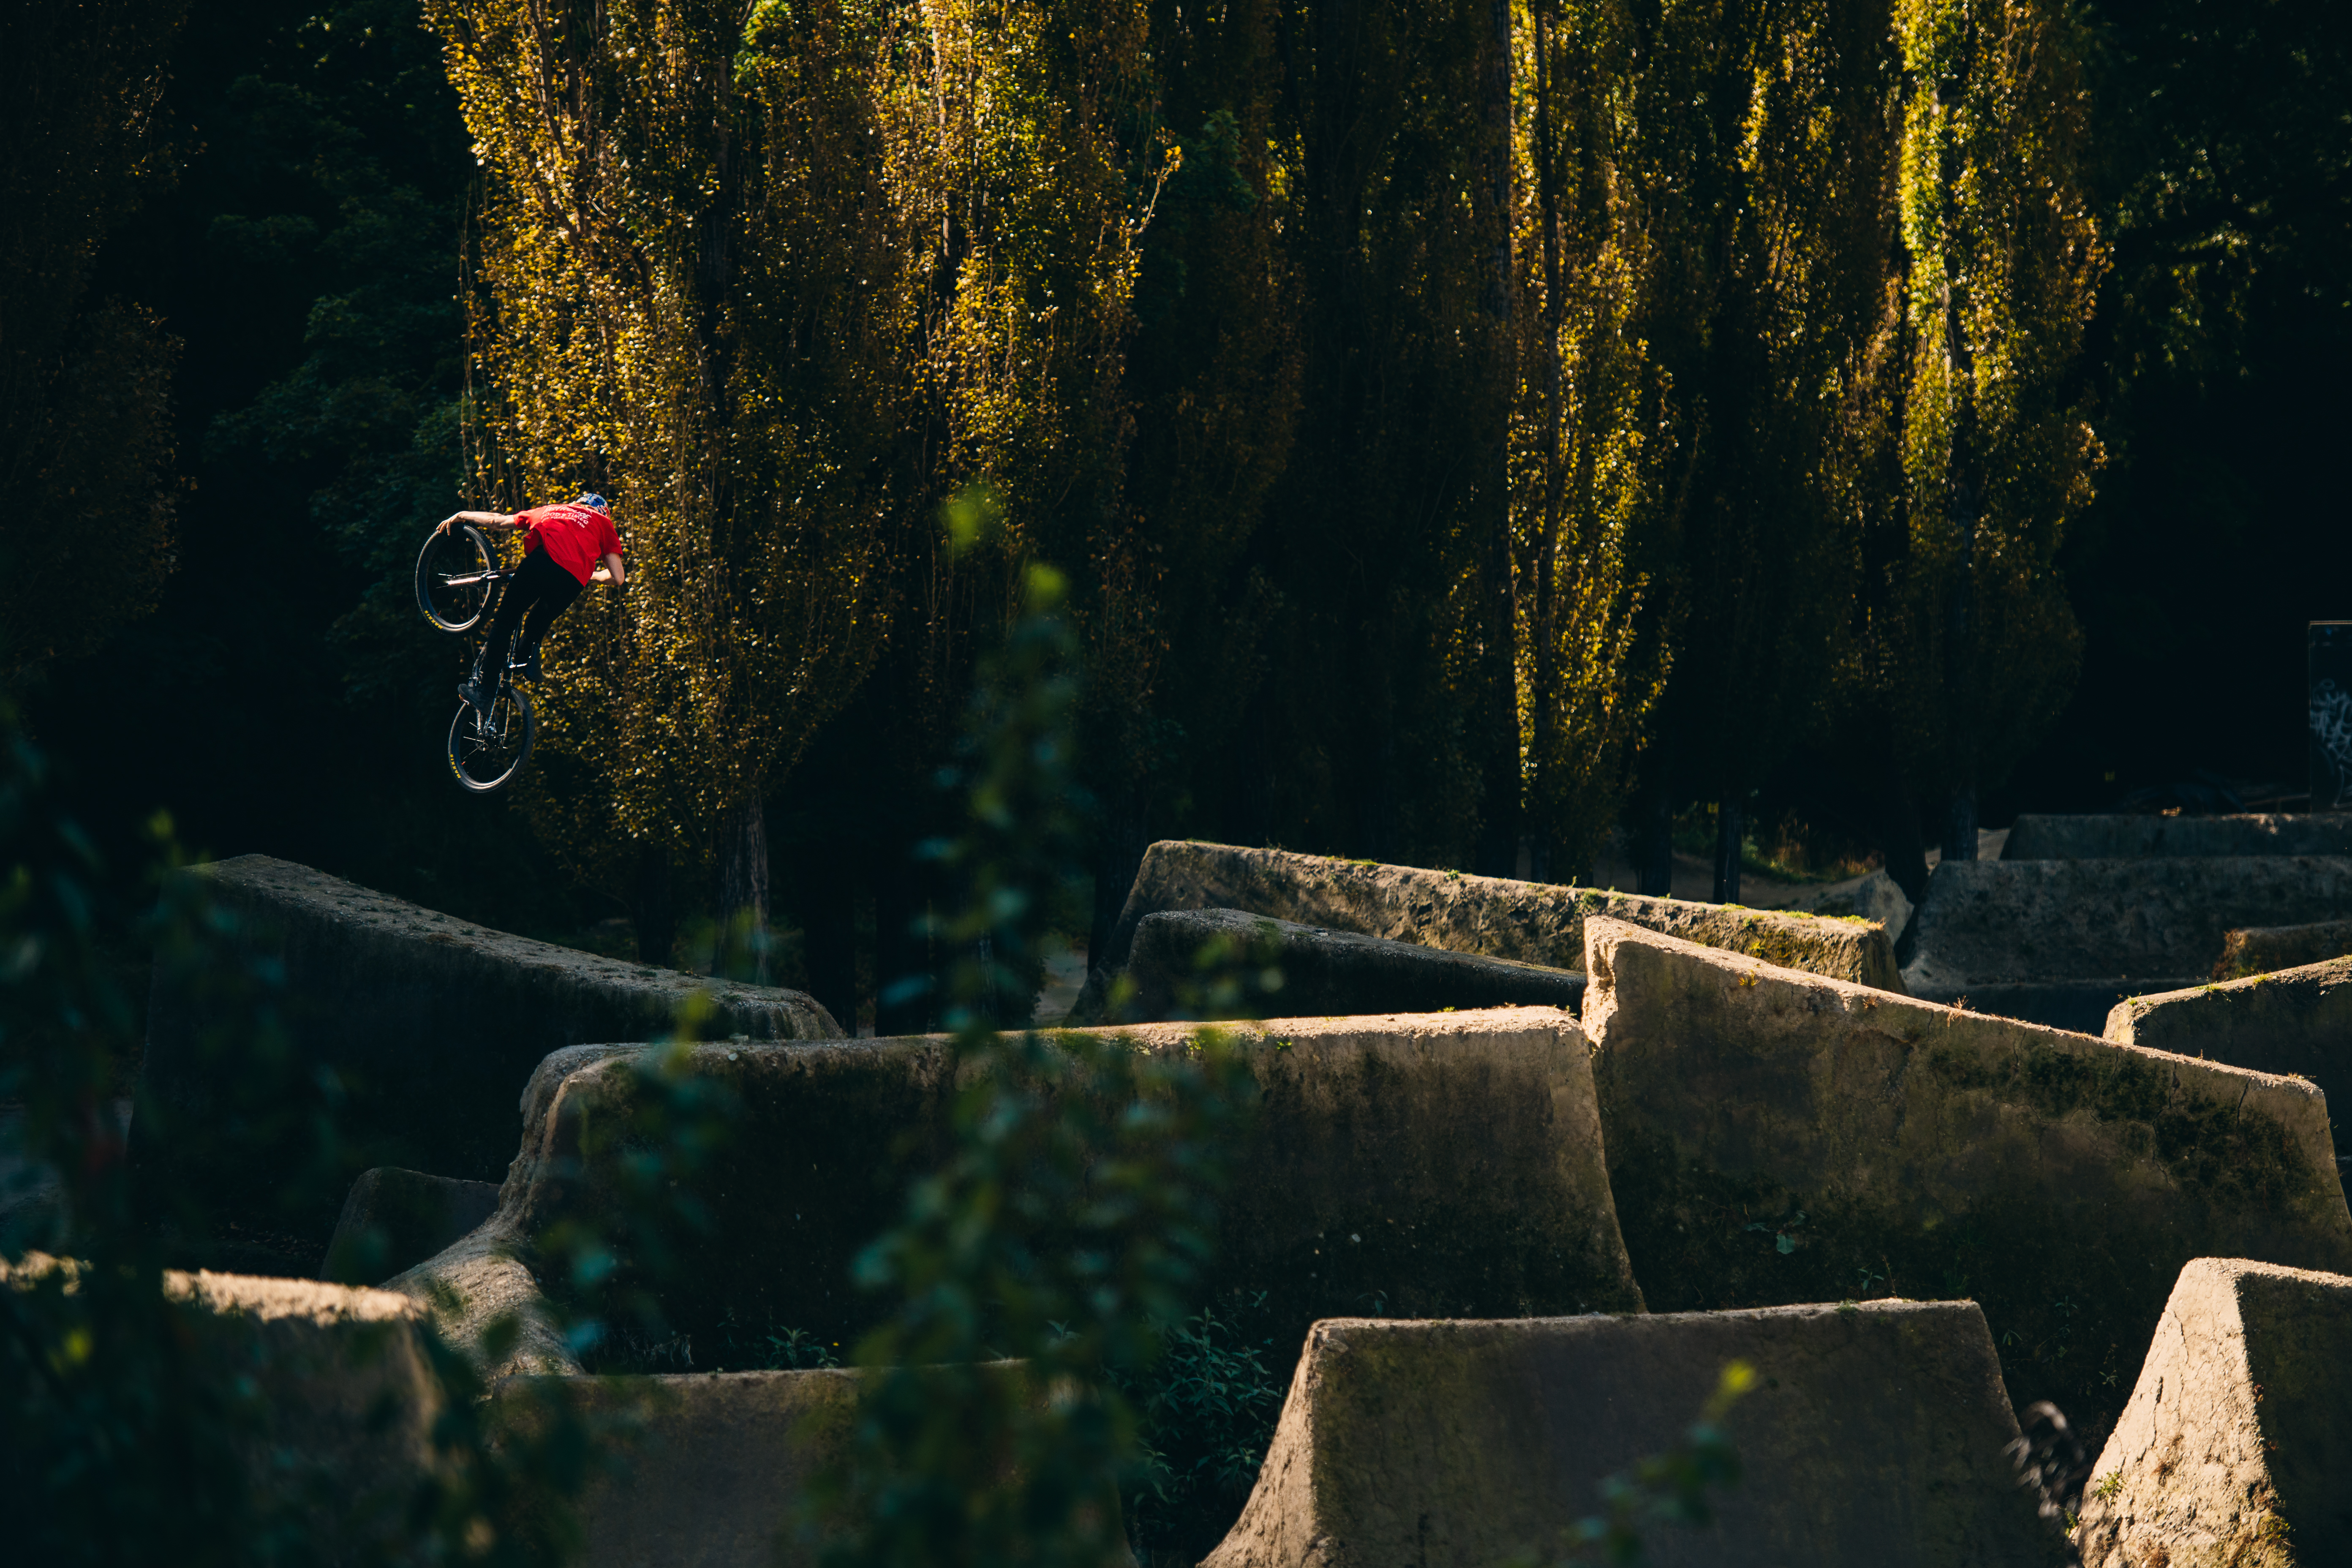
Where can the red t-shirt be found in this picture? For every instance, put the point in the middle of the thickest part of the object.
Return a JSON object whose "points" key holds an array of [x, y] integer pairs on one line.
{"points": [[576, 538]]}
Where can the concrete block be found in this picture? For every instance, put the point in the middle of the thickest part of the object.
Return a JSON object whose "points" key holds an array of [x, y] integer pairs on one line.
{"points": [[1325, 972], [2124, 836], [1778, 1137], [720, 1470], [2297, 1022], [2266, 950], [1435, 1164], [433, 1023], [395, 1219], [2236, 1447], [340, 1432], [1530, 922], [328, 1357], [2142, 925], [1873, 1437]]}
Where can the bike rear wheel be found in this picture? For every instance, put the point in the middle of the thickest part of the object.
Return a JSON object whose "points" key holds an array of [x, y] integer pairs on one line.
{"points": [[487, 750], [456, 577]]}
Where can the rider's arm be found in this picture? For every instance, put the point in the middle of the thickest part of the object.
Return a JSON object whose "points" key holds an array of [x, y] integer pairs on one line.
{"points": [[613, 564], [487, 519]]}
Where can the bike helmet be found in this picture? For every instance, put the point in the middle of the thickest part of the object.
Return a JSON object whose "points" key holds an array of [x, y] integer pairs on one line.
{"points": [[591, 498]]}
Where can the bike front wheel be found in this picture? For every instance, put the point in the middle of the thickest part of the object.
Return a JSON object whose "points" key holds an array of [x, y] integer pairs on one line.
{"points": [[455, 574], [487, 750]]}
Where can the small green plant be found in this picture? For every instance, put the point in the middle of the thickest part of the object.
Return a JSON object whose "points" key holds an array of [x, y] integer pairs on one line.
{"points": [[1209, 1408], [2109, 1487], [1783, 1231]]}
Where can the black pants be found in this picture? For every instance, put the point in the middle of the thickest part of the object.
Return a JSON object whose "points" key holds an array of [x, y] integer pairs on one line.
{"points": [[538, 592]]}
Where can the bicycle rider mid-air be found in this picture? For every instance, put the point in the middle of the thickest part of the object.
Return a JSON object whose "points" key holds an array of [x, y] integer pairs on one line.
{"points": [[566, 543]]}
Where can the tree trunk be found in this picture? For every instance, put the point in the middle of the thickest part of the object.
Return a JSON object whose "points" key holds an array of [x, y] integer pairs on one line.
{"points": [[1544, 698], [650, 910], [826, 900], [1656, 874], [1730, 829], [902, 959], [1898, 835], [1960, 686], [743, 951], [1960, 823], [1118, 855], [1498, 741]]}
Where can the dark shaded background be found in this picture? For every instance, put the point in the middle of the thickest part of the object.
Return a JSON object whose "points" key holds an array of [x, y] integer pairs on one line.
{"points": [[286, 699]]}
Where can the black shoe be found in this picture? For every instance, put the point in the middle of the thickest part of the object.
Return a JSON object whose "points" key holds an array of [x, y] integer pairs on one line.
{"points": [[529, 667], [472, 691]]}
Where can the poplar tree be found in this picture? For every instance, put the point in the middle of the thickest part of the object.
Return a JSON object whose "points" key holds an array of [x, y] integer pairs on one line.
{"points": [[1592, 440], [1739, 175], [696, 296], [1999, 263]]}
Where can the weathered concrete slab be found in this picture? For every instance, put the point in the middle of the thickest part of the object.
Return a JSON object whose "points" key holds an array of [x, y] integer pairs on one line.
{"points": [[1324, 972], [1438, 1165], [2145, 925], [2133, 836], [2296, 1022], [433, 1023], [344, 1421], [2266, 950], [1873, 1437], [395, 1219], [1530, 922], [2236, 1446], [721, 1470], [722, 1465], [1780, 1137]]}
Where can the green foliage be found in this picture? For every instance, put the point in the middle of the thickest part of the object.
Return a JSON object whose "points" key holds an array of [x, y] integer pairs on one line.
{"points": [[1664, 1490], [1071, 1220], [2000, 262], [1209, 1409]]}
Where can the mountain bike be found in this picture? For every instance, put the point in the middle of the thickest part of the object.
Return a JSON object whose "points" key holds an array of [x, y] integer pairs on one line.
{"points": [[459, 576]]}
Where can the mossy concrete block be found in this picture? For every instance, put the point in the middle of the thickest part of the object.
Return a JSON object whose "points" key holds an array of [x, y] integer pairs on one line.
{"points": [[433, 1023], [2298, 1022], [2127, 837], [1530, 923], [2155, 922], [2266, 950], [1778, 1137], [394, 1218], [1872, 1438], [2236, 1447], [1444, 1163], [720, 1469], [1325, 972]]}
